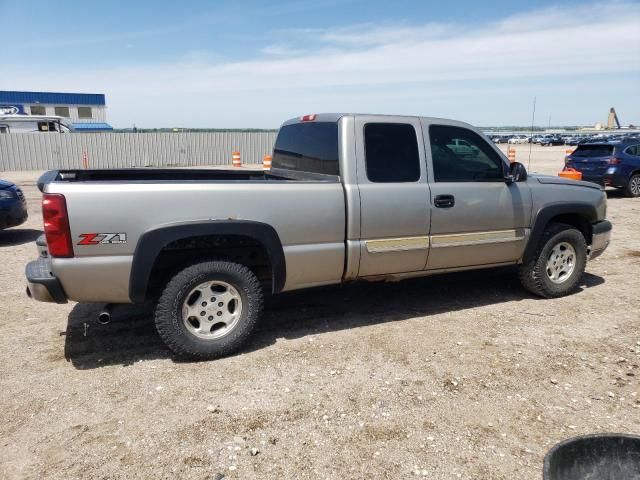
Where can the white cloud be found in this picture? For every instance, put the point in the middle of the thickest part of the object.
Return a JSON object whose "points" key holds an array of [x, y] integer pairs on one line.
{"points": [[585, 42], [368, 35], [282, 50]]}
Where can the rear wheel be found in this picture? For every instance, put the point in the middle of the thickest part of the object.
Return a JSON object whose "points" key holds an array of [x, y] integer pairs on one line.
{"points": [[208, 310], [559, 262], [633, 186]]}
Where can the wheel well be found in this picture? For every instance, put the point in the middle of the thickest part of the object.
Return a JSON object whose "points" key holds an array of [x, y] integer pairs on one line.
{"points": [[575, 220], [181, 253]]}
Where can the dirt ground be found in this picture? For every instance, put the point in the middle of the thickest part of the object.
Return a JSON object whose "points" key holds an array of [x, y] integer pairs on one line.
{"points": [[456, 376]]}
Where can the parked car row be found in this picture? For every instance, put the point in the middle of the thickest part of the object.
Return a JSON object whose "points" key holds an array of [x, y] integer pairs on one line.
{"points": [[560, 139]]}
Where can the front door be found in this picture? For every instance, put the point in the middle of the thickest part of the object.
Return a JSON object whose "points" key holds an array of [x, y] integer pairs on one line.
{"points": [[394, 195], [477, 218]]}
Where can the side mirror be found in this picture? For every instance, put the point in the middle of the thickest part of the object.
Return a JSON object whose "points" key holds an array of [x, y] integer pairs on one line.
{"points": [[517, 173]]}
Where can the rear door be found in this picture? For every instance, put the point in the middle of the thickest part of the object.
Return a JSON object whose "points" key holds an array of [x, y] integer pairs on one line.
{"points": [[394, 195], [477, 218]]}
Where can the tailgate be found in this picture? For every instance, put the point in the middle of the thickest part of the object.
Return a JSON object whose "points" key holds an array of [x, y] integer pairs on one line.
{"points": [[591, 166], [591, 159]]}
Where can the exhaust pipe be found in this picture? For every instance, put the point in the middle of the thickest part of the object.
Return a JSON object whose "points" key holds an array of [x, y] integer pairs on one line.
{"points": [[104, 317]]}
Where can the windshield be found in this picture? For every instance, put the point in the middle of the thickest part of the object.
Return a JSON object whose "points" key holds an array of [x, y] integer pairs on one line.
{"points": [[308, 147], [591, 151]]}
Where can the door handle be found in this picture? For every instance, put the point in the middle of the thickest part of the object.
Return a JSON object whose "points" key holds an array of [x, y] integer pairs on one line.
{"points": [[444, 201]]}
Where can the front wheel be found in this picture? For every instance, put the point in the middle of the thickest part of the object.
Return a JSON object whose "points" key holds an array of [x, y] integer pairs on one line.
{"points": [[559, 263], [633, 186], [208, 310]]}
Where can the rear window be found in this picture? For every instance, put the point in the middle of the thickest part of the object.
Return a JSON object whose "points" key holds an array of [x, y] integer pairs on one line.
{"points": [[308, 147], [591, 151]]}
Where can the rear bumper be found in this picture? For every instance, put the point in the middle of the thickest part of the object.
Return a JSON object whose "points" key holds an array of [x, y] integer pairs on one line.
{"points": [[42, 285], [600, 238], [615, 180]]}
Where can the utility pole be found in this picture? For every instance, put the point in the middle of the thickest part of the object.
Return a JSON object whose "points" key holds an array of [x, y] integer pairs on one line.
{"points": [[533, 118]]}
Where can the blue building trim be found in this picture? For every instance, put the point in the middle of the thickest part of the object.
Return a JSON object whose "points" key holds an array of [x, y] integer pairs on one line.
{"points": [[12, 97], [92, 127]]}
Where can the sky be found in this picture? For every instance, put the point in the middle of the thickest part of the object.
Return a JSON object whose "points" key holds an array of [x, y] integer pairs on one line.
{"points": [[254, 64]]}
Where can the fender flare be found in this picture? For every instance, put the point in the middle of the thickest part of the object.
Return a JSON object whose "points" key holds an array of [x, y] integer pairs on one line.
{"points": [[545, 214], [153, 241]]}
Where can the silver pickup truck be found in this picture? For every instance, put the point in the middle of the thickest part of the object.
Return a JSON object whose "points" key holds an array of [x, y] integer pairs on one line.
{"points": [[372, 197]]}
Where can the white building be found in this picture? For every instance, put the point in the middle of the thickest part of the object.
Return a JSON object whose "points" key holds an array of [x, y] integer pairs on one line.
{"points": [[86, 111]]}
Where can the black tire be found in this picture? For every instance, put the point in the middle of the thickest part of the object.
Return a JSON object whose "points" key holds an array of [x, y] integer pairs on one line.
{"points": [[632, 189], [533, 275], [168, 317]]}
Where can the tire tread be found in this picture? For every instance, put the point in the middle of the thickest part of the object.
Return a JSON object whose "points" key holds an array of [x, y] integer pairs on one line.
{"points": [[627, 188], [167, 311], [531, 273]]}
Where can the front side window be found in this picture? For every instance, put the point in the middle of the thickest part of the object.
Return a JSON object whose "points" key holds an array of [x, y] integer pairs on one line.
{"points": [[62, 111], [47, 127], [37, 110], [461, 155], [391, 153], [84, 112]]}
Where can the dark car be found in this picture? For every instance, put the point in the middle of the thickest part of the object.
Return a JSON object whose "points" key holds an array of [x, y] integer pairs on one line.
{"points": [[615, 164], [576, 141], [13, 206], [549, 141]]}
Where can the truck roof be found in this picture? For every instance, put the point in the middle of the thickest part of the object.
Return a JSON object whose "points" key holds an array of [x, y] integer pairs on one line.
{"points": [[334, 117]]}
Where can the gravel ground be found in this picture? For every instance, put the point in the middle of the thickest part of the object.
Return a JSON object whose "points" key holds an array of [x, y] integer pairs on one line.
{"points": [[456, 376]]}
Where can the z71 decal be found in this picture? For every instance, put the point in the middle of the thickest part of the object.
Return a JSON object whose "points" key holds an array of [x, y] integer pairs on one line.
{"points": [[102, 238]]}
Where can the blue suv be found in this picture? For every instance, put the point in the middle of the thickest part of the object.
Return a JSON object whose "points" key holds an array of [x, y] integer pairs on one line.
{"points": [[13, 206], [615, 164]]}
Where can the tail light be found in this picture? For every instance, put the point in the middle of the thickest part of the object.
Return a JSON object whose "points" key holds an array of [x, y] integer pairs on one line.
{"points": [[308, 118], [615, 161], [56, 225]]}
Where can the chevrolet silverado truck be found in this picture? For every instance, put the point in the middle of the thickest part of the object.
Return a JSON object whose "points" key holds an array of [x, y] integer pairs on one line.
{"points": [[349, 197]]}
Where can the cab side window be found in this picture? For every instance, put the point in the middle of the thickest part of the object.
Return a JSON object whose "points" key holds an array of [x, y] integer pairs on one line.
{"points": [[391, 153], [461, 155], [47, 127], [634, 150]]}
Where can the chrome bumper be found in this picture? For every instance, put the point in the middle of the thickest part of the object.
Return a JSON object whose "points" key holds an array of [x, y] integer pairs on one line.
{"points": [[600, 238]]}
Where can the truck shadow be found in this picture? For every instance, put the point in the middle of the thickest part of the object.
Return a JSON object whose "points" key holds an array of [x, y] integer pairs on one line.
{"points": [[615, 193], [18, 236], [131, 335], [355, 305]]}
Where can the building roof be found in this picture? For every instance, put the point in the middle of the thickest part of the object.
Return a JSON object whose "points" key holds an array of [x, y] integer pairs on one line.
{"points": [[7, 96], [92, 127]]}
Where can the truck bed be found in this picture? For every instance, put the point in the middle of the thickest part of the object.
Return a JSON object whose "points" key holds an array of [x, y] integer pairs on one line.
{"points": [[177, 175], [307, 212]]}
